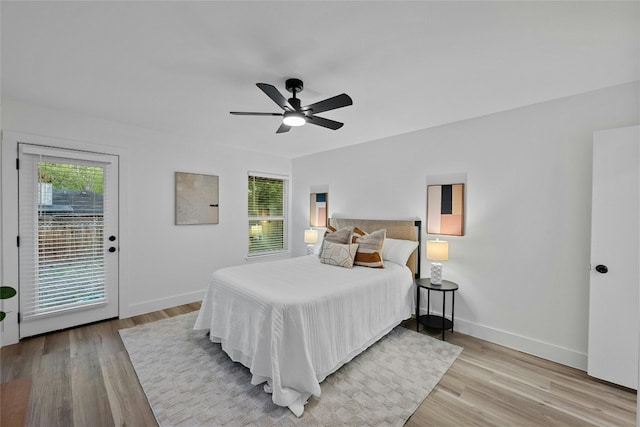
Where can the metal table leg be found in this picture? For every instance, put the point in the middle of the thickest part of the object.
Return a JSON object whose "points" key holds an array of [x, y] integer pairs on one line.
{"points": [[444, 299]]}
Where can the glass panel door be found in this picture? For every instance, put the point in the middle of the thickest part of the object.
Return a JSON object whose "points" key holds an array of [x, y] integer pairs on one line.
{"points": [[68, 238]]}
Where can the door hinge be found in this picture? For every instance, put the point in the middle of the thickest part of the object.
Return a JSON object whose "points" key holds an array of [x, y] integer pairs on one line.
{"points": [[18, 241], [18, 164], [19, 317]]}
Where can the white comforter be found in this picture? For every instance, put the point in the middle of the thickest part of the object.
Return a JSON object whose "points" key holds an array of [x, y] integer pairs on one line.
{"points": [[295, 321]]}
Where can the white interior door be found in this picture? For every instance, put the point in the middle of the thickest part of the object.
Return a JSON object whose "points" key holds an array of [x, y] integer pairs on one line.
{"points": [[615, 254], [68, 225]]}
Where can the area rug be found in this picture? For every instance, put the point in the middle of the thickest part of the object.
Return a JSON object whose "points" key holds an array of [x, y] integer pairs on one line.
{"points": [[190, 381]]}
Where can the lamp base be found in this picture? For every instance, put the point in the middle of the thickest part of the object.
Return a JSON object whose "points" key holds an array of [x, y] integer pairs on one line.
{"points": [[310, 249], [436, 273]]}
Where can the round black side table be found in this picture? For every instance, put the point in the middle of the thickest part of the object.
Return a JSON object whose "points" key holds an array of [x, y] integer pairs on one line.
{"points": [[433, 321]]}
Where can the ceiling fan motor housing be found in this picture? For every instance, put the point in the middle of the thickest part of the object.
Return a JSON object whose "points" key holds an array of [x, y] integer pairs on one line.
{"points": [[294, 86]]}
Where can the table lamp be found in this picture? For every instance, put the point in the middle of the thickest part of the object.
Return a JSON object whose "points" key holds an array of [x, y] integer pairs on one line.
{"points": [[437, 250], [310, 238]]}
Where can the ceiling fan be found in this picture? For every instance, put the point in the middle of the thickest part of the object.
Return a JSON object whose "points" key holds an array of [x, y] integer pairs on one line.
{"points": [[294, 114]]}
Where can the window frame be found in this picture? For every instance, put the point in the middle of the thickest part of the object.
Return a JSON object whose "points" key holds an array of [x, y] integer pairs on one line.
{"points": [[284, 217]]}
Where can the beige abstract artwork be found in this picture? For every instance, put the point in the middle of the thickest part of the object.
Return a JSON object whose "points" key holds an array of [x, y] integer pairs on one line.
{"points": [[196, 198]]}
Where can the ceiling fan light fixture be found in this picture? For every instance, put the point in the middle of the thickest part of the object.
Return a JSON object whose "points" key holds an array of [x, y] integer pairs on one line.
{"points": [[294, 118], [294, 114]]}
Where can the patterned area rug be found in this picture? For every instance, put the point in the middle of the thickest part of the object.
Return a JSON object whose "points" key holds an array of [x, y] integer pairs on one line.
{"points": [[190, 381]]}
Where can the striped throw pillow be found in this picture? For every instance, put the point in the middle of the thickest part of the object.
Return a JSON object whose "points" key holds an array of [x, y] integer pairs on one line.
{"points": [[369, 247], [338, 236], [333, 235]]}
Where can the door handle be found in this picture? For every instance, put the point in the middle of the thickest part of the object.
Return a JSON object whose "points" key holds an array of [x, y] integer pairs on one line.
{"points": [[112, 249], [601, 268]]}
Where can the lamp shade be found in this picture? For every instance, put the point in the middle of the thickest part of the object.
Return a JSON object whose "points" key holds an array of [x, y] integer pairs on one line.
{"points": [[310, 236], [437, 250]]}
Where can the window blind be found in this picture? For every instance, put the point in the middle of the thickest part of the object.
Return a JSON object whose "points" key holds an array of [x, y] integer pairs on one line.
{"points": [[267, 212], [61, 231]]}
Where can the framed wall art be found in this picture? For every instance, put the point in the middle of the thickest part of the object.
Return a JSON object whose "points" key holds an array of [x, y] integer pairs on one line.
{"points": [[445, 209], [196, 198], [318, 209]]}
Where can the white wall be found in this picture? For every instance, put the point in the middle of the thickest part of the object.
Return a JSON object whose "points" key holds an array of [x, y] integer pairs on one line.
{"points": [[164, 265], [522, 265]]}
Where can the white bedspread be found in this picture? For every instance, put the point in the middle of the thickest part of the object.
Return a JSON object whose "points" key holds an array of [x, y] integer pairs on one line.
{"points": [[295, 321]]}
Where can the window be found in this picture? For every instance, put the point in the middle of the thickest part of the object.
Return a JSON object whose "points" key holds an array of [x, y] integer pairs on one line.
{"points": [[267, 208]]}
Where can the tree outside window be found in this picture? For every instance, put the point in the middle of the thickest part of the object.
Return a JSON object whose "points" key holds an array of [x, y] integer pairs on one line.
{"points": [[267, 211]]}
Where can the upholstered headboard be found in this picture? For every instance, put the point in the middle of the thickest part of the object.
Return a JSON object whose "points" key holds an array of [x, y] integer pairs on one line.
{"points": [[396, 229]]}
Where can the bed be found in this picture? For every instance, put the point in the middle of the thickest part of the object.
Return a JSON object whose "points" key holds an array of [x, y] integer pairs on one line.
{"points": [[293, 322]]}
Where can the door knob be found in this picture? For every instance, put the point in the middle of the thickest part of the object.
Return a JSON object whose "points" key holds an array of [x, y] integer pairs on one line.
{"points": [[601, 268], [112, 238], [112, 249]]}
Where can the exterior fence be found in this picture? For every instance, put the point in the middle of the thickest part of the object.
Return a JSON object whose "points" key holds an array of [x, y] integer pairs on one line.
{"points": [[68, 238]]}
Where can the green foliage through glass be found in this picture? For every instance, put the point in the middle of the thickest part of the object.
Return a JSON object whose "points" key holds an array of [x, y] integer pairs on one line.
{"points": [[265, 196], [266, 211], [72, 177]]}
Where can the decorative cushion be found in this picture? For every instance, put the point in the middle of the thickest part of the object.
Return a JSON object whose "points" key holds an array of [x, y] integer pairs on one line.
{"points": [[338, 254], [369, 247], [398, 251], [357, 233], [336, 236]]}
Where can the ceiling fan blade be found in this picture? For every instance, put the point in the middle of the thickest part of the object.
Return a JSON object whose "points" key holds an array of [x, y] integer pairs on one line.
{"points": [[337, 101], [326, 123], [249, 113], [283, 128], [275, 96]]}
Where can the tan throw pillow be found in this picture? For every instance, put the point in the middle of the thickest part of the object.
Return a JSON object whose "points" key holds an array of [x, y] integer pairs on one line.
{"points": [[338, 254], [357, 233], [370, 248], [339, 236], [336, 236]]}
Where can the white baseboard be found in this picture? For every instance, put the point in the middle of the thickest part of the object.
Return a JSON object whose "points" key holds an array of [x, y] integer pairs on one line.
{"points": [[524, 344], [161, 304]]}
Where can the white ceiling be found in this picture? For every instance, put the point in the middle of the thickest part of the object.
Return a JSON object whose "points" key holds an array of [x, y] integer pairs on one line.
{"points": [[180, 67]]}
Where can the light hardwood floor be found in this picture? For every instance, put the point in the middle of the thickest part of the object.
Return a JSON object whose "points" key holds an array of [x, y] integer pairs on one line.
{"points": [[83, 377]]}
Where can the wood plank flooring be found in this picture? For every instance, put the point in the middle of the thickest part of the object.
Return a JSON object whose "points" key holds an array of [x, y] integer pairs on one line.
{"points": [[83, 377], [491, 385]]}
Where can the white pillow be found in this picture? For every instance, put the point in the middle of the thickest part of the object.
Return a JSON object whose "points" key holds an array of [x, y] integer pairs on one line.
{"points": [[318, 246], [338, 254], [398, 251]]}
